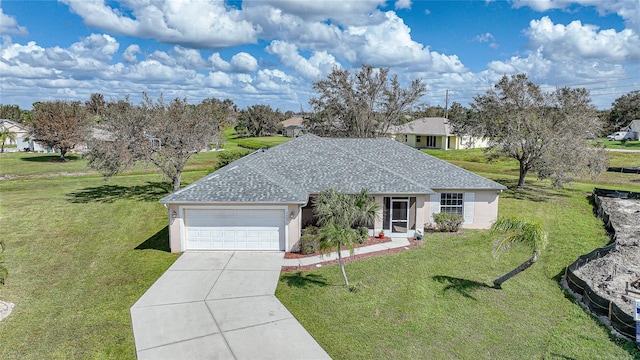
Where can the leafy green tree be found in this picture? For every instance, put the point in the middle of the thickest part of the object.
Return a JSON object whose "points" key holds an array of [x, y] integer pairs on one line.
{"points": [[623, 110], [425, 110], [517, 230], [258, 120], [11, 112], [338, 214], [547, 132], [361, 105], [60, 125], [163, 134], [6, 134]]}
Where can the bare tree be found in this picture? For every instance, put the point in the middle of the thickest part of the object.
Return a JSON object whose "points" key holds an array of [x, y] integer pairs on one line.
{"points": [[547, 132], [96, 104], [154, 132], [361, 105], [59, 125]]}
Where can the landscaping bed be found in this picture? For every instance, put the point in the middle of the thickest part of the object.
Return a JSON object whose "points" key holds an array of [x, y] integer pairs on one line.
{"points": [[372, 241], [412, 244]]}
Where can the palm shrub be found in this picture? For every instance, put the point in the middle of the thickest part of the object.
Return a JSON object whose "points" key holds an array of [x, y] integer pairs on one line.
{"points": [[448, 222], [517, 230], [6, 134], [363, 234], [337, 215]]}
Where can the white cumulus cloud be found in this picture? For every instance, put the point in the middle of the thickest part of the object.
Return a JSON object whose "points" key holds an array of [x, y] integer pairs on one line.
{"points": [[578, 41], [9, 25], [403, 4], [129, 54], [193, 23]]}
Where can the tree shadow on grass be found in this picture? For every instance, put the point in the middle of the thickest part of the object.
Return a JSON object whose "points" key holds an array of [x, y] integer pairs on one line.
{"points": [[300, 280], [158, 241], [50, 158], [463, 287], [152, 191], [530, 192]]}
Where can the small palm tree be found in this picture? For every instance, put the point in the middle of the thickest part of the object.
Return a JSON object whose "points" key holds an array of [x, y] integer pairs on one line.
{"points": [[6, 134], [517, 230], [335, 236], [337, 215]]}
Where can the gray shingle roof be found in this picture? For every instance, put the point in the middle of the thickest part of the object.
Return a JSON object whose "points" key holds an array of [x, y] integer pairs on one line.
{"points": [[424, 126], [289, 172]]}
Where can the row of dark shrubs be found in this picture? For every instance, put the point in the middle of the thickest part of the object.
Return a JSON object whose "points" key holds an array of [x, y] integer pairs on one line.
{"points": [[310, 239]]}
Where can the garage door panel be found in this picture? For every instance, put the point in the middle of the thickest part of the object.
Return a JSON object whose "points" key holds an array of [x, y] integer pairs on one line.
{"points": [[234, 229]]}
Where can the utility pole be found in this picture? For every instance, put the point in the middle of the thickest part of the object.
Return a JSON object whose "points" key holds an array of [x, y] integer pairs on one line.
{"points": [[446, 105]]}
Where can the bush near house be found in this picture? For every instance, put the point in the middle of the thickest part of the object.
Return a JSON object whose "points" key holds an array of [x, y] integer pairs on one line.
{"points": [[448, 222], [309, 240]]}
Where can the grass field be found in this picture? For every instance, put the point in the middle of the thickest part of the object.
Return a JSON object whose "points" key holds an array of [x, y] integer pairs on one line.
{"points": [[631, 145], [436, 302], [81, 251]]}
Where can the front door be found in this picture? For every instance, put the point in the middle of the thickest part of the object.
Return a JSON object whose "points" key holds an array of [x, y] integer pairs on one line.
{"points": [[399, 219]]}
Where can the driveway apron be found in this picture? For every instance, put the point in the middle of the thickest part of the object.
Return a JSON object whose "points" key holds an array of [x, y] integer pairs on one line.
{"points": [[220, 305]]}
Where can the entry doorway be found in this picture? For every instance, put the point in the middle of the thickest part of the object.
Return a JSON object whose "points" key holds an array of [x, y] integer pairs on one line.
{"points": [[399, 219]]}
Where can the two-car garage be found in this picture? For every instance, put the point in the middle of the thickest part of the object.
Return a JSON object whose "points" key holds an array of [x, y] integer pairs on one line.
{"points": [[229, 228]]}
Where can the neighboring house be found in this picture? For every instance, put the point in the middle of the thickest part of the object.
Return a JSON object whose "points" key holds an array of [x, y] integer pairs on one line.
{"points": [[292, 127], [634, 127], [432, 133], [265, 199], [22, 136]]}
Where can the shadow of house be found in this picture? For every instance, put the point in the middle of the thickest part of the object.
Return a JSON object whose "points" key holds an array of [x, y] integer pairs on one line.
{"points": [[158, 241]]}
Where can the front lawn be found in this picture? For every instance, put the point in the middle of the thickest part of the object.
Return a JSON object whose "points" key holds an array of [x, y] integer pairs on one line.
{"points": [[435, 302], [82, 250]]}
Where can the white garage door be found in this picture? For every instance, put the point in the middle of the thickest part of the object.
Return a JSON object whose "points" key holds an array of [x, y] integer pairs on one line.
{"points": [[234, 229]]}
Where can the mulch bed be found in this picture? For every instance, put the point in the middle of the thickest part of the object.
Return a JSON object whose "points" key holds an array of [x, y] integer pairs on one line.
{"points": [[412, 244]]}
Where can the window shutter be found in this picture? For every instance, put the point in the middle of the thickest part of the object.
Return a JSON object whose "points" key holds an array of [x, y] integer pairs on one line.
{"points": [[435, 206], [468, 207]]}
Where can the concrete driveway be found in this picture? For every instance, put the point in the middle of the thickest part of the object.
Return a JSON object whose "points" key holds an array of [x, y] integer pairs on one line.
{"points": [[219, 305]]}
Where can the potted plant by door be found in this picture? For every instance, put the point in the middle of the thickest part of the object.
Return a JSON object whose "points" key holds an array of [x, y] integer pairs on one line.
{"points": [[381, 234]]}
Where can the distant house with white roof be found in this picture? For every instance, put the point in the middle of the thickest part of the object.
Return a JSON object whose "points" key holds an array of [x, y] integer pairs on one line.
{"points": [[433, 133]]}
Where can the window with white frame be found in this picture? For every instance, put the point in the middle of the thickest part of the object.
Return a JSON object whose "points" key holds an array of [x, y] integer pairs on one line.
{"points": [[418, 138], [452, 203], [430, 141], [406, 138]]}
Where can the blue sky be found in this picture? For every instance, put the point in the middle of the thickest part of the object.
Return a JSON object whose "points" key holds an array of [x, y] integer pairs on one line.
{"points": [[271, 51]]}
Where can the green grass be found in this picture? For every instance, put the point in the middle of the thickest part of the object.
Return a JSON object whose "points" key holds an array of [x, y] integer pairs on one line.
{"points": [[259, 142], [81, 251], [436, 302], [630, 145]]}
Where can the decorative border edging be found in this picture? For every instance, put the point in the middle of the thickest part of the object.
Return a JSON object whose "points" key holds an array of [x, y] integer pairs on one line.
{"points": [[606, 310]]}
